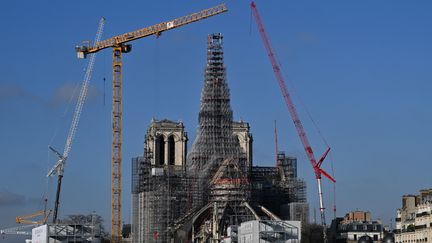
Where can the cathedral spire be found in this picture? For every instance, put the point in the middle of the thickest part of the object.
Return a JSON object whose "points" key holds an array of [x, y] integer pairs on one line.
{"points": [[214, 138]]}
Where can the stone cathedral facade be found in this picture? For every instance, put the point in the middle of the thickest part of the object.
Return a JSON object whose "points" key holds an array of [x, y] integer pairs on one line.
{"points": [[199, 195]]}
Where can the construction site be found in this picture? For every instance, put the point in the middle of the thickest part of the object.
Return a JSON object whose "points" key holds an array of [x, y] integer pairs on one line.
{"points": [[211, 122], [211, 193], [206, 194]]}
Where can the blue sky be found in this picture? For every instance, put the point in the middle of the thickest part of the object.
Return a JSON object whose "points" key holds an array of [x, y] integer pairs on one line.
{"points": [[360, 67]]}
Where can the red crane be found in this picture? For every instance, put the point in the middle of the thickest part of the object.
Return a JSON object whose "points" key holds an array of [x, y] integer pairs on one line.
{"points": [[316, 165]]}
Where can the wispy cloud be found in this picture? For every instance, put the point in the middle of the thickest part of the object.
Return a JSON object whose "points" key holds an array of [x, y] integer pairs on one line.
{"points": [[69, 92], [308, 37], [13, 199], [9, 91], [63, 95]]}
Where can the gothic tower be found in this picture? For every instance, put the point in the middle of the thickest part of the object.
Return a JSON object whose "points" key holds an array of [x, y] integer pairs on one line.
{"points": [[165, 143]]}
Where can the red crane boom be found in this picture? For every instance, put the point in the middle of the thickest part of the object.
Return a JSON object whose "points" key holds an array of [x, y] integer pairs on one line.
{"points": [[294, 115]]}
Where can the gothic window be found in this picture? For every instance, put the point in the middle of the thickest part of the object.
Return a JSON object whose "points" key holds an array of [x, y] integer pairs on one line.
{"points": [[160, 150], [171, 150]]}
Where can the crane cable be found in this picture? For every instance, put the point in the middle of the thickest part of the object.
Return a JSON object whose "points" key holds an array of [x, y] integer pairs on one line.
{"points": [[297, 94], [318, 130]]}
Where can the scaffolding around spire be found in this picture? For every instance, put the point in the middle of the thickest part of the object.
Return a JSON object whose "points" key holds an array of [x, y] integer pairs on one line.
{"points": [[215, 139]]}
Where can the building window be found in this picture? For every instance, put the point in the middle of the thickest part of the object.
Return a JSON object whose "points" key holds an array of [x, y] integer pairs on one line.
{"points": [[160, 150], [375, 237], [171, 150], [355, 237]]}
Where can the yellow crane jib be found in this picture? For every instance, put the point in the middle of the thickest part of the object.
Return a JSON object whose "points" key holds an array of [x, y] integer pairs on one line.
{"points": [[156, 29], [26, 218]]}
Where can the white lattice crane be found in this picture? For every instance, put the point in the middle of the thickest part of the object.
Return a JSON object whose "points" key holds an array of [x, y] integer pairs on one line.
{"points": [[59, 166]]}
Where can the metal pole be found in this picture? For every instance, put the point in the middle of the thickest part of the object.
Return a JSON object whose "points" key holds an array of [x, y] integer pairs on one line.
{"points": [[57, 200], [322, 212]]}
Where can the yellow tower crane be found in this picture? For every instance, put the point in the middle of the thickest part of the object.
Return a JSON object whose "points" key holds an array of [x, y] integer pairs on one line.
{"points": [[119, 46]]}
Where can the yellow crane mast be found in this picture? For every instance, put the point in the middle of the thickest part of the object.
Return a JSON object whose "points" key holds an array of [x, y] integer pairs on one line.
{"points": [[119, 46]]}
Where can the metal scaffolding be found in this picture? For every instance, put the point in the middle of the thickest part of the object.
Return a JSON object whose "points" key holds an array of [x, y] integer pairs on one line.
{"points": [[280, 190], [217, 187], [160, 197], [215, 139]]}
